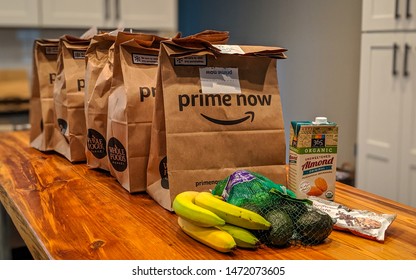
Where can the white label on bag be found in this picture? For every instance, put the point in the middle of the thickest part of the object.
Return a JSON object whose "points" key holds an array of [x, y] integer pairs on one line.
{"points": [[192, 60], [219, 80], [230, 49], [78, 54], [51, 50], [144, 59]]}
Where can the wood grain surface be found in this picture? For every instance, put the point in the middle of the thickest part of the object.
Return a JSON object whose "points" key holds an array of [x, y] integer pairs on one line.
{"points": [[68, 211]]}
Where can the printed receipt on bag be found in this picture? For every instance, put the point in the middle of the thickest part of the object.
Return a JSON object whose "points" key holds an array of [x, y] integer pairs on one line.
{"points": [[221, 79]]}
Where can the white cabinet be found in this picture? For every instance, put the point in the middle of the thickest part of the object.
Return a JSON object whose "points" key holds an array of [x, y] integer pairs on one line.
{"points": [[21, 13], [137, 14], [407, 191], [386, 154], [73, 13], [145, 15], [148, 15], [381, 15]]}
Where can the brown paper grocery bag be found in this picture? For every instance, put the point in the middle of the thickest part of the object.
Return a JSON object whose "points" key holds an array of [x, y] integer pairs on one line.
{"points": [[97, 85], [130, 111], [69, 98], [96, 104], [217, 110], [41, 112]]}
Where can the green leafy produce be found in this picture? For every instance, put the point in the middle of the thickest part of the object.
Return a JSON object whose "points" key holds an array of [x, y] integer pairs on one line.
{"points": [[242, 186], [219, 187]]}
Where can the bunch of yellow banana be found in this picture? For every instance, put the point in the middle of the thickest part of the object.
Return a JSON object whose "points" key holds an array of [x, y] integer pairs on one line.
{"points": [[211, 236], [217, 223]]}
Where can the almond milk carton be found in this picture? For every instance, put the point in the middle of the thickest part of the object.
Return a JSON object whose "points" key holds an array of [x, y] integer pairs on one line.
{"points": [[313, 157]]}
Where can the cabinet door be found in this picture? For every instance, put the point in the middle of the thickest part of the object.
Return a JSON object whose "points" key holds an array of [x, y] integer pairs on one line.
{"points": [[19, 13], [75, 13], [156, 15], [381, 89], [388, 15], [407, 188]]}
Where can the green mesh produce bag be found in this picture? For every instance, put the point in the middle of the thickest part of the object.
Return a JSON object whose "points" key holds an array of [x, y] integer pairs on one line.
{"points": [[294, 221]]}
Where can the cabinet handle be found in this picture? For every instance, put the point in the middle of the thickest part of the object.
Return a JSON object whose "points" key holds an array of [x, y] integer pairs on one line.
{"points": [[408, 13], [117, 10], [107, 9], [406, 54], [396, 9], [395, 49]]}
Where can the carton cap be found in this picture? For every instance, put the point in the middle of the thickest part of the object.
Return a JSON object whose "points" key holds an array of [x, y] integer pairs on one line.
{"points": [[320, 120]]}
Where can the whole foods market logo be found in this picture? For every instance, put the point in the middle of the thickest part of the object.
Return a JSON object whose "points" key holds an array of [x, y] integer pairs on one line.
{"points": [[117, 155], [225, 100], [163, 171], [63, 126], [96, 143]]}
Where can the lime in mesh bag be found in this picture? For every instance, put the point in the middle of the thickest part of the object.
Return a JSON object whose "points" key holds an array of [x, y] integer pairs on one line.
{"points": [[294, 221]]}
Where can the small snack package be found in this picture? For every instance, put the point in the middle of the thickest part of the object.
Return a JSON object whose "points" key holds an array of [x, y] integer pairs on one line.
{"points": [[363, 223]]}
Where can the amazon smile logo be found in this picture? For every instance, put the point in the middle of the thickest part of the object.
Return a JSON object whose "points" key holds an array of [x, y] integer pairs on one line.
{"points": [[227, 100], [231, 122]]}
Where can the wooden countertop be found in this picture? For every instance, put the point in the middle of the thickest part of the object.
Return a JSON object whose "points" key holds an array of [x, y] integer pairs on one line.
{"points": [[68, 211]]}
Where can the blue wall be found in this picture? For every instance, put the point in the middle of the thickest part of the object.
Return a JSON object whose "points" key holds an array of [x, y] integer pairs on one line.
{"points": [[246, 20]]}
